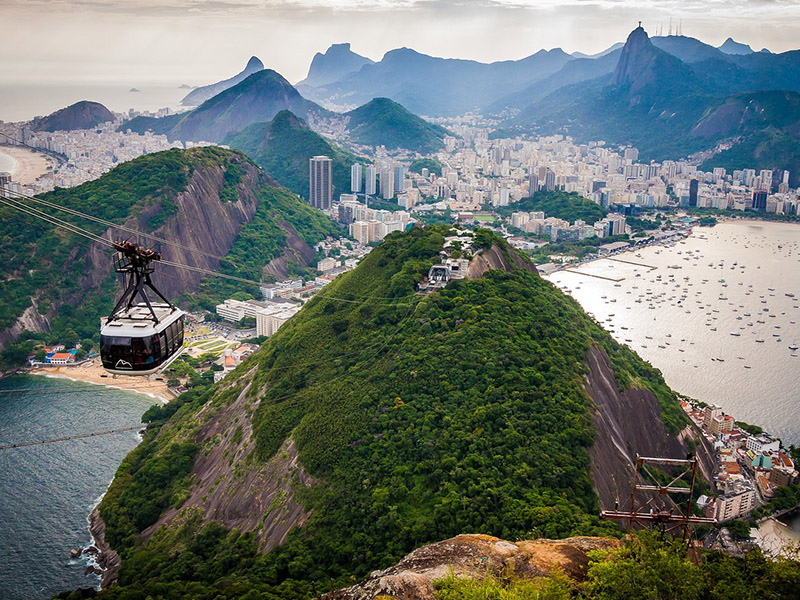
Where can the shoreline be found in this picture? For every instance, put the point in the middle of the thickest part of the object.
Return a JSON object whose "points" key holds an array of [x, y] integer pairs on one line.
{"points": [[29, 165], [94, 374]]}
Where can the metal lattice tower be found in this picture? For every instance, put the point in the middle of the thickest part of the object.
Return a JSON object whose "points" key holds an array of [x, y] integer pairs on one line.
{"points": [[669, 517]]}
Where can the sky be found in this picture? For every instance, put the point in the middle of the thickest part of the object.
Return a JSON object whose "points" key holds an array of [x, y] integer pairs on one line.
{"points": [[201, 41]]}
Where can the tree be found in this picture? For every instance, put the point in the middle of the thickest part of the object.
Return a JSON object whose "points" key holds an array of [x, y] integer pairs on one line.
{"points": [[739, 529], [644, 568]]}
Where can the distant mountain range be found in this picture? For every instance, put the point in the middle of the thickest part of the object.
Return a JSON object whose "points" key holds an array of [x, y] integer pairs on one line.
{"points": [[673, 96], [434, 86], [81, 115], [199, 95], [437, 86], [256, 99]]}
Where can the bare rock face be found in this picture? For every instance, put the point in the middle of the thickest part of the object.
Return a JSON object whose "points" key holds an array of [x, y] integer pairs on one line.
{"points": [[235, 492], [495, 259], [473, 556], [629, 423]]}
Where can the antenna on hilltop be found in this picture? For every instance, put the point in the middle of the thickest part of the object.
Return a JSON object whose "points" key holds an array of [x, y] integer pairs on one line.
{"points": [[680, 27], [640, 24], [670, 26]]}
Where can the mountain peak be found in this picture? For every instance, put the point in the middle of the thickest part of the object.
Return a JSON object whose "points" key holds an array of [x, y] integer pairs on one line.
{"points": [[339, 60], [253, 65], [731, 46], [637, 55], [199, 95]]}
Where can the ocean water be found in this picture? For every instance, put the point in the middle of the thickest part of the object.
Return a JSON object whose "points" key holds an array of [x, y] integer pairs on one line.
{"points": [[22, 102], [697, 310], [7, 163], [47, 491]]}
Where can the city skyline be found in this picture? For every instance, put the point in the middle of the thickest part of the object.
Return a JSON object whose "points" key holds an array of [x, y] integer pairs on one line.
{"points": [[199, 41]]}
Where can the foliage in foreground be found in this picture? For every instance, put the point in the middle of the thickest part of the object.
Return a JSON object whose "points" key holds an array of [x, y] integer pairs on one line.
{"points": [[645, 567]]}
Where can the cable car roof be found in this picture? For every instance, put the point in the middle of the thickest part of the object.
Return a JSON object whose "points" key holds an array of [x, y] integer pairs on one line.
{"points": [[137, 321]]}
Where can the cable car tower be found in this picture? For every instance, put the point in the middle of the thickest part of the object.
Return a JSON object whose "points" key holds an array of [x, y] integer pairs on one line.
{"points": [[660, 510], [140, 337], [135, 264]]}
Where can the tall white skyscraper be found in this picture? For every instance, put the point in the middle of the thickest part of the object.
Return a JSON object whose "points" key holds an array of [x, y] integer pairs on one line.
{"points": [[355, 178], [320, 183], [387, 183], [399, 176], [369, 180]]}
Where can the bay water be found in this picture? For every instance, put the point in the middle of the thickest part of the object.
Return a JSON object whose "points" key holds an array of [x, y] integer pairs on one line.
{"points": [[47, 491], [717, 313]]}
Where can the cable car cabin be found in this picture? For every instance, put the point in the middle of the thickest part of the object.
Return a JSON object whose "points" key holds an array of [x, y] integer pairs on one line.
{"points": [[134, 344]]}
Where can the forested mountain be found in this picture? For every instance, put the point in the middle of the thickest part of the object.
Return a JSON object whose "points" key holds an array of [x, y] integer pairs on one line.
{"points": [[81, 115], [212, 200], [199, 95], [382, 122], [670, 108], [378, 420], [255, 100], [337, 62], [283, 146]]}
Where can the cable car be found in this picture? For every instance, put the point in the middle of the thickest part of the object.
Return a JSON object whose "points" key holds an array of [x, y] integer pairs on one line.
{"points": [[139, 338]]}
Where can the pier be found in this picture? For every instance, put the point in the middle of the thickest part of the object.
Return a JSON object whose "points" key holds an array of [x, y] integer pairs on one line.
{"points": [[630, 262], [593, 275]]}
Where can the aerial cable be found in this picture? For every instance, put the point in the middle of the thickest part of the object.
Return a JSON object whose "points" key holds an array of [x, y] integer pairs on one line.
{"points": [[114, 225], [173, 264], [54, 221]]}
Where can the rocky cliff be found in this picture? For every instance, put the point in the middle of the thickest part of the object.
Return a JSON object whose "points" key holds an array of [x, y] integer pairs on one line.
{"points": [[628, 423], [475, 557], [203, 201]]}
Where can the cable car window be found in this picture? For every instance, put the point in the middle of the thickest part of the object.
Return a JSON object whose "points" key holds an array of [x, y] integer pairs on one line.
{"points": [[156, 345]]}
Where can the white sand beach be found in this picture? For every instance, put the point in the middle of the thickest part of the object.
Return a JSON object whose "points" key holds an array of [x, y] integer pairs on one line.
{"points": [[28, 164], [93, 372]]}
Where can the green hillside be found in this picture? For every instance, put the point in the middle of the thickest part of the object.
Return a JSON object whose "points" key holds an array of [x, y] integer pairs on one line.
{"points": [[562, 205], [384, 122], [418, 417], [767, 149], [283, 146], [56, 268]]}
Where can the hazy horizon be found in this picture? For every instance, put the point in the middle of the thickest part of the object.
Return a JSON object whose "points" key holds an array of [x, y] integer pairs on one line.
{"points": [[197, 42]]}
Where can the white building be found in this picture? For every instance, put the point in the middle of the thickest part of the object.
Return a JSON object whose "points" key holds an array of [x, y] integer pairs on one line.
{"points": [[355, 178], [270, 319], [735, 505], [762, 443]]}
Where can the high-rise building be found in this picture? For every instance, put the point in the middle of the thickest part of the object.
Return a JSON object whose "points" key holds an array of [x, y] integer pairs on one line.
{"points": [[355, 178], [550, 181], [760, 200], [320, 183], [369, 180], [533, 184], [399, 176], [387, 183], [694, 185]]}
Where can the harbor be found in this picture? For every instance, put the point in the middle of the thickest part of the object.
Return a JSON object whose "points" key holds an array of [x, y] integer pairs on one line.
{"points": [[716, 312]]}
